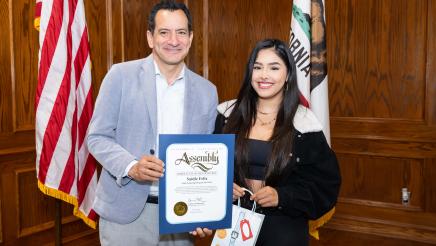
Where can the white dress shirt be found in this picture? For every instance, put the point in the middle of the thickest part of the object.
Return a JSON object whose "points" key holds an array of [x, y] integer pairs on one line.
{"points": [[170, 110]]}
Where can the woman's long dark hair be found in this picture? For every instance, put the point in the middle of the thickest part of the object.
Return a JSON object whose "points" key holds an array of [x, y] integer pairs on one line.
{"points": [[244, 114]]}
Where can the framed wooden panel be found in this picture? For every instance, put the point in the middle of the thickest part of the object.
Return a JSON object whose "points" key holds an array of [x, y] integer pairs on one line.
{"points": [[378, 181], [376, 54], [24, 57]]}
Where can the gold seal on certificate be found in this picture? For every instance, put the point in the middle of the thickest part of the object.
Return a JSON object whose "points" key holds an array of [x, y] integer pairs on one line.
{"points": [[180, 208]]}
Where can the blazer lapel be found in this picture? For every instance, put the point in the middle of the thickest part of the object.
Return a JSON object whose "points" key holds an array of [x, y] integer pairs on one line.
{"points": [[189, 102], [148, 77]]}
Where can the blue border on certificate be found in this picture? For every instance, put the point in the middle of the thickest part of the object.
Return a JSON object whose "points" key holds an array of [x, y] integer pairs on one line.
{"points": [[165, 140]]}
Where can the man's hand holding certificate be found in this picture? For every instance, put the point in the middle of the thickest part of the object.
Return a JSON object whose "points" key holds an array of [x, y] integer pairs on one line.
{"points": [[196, 190]]}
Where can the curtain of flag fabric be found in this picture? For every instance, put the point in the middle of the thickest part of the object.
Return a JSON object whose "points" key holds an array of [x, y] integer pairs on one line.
{"points": [[63, 104], [307, 43]]}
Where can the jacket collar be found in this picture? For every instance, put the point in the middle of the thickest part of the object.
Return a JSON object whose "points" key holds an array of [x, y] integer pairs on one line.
{"points": [[304, 120]]}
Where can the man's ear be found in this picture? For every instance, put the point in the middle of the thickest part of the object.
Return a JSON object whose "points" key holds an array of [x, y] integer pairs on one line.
{"points": [[150, 39], [191, 37]]}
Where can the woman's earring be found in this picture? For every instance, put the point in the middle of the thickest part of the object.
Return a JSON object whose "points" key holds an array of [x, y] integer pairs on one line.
{"points": [[287, 85]]}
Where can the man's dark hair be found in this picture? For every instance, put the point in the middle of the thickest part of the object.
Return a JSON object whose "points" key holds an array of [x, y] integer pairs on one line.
{"points": [[171, 6]]}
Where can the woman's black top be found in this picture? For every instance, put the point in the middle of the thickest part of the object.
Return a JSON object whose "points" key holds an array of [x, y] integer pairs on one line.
{"points": [[258, 155]]}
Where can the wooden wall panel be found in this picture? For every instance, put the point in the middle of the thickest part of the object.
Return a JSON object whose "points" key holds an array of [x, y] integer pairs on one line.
{"points": [[378, 63], [412, 228], [27, 213], [17, 76], [9, 188], [100, 46], [379, 179], [34, 213], [5, 69], [35, 210], [197, 59], [387, 148], [430, 191], [116, 30], [431, 65], [135, 28], [25, 64], [1, 224]]}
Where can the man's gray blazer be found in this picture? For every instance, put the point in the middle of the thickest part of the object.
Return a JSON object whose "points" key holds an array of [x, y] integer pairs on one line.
{"points": [[123, 128]]}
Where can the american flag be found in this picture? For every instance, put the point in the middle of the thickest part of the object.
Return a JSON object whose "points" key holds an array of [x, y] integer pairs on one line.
{"points": [[307, 43], [63, 103]]}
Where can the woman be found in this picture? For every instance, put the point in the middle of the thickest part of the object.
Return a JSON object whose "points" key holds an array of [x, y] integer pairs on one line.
{"points": [[281, 152]]}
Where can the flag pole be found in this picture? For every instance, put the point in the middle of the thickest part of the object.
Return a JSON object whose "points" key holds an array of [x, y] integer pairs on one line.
{"points": [[58, 222]]}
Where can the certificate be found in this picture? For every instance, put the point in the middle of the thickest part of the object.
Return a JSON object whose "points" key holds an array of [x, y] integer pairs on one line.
{"points": [[197, 186]]}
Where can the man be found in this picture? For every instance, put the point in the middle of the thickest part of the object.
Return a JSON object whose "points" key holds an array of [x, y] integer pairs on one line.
{"points": [[139, 100]]}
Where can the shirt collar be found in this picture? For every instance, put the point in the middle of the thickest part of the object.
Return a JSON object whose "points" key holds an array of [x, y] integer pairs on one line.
{"points": [[180, 77]]}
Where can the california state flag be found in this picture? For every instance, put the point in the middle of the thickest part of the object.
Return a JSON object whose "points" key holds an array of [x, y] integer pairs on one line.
{"points": [[307, 43], [308, 46]]}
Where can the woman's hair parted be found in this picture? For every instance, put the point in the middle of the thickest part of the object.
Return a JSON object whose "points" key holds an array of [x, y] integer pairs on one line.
{"points": [[244, 114]]}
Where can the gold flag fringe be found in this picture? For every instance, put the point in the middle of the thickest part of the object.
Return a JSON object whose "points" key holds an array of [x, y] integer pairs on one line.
{"points": [[69, 199], [314, 225]]}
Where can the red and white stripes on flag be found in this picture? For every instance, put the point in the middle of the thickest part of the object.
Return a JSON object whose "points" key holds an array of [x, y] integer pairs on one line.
{"points": [[63, 103], [307, 43]]}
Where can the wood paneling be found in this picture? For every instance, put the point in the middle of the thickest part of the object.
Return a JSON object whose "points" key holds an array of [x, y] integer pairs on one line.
{"points": [[345, 238], [24, 50], [28, 214], [197, 59], [8, 191], [383, 129], [388, 148], [17, 142], [431, 65], [1, 224], [100, 46], [35, 211], [378, 61], [430, 182], [34, 216], [135, 28], [381, 179], [385, 222], [5, 70], [116, 31]]}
